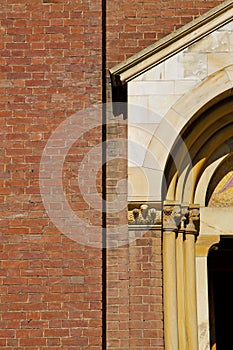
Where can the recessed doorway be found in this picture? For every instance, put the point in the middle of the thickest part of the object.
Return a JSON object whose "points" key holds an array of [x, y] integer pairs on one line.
{"points": [[220, 280]]}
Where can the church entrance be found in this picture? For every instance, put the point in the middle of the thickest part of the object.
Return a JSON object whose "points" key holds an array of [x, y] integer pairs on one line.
{"points": [[220, 275]]}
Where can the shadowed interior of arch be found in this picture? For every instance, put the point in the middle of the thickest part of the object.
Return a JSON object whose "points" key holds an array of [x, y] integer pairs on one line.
{"points": [[206, 139], [220, 280]]}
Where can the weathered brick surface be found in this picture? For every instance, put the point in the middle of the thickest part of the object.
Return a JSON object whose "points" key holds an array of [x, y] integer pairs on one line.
{"points": [[50, 285], [145, 305]]}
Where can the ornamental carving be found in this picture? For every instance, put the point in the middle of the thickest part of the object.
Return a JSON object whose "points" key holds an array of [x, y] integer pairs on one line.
{"points": [[171, 217], [175, 217], [144, 214], [182, 218], [193, 220]]}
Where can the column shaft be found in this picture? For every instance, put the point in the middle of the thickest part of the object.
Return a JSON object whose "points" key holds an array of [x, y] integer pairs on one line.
{"points": [[181, 291], [170, 291], [190, 292]]}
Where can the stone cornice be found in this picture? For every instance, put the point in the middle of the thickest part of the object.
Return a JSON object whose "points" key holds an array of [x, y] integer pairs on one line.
{"points": [[168, 46]]}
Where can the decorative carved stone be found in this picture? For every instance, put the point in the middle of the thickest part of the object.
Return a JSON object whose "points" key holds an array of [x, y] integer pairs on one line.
{"points": [[182, 223], [175, 216], [171, 217], [182, 218], [193, 220], [144, 214]]}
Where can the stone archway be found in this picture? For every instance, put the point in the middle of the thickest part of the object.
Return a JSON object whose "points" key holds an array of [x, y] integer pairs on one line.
{"points": [[206, 144]]}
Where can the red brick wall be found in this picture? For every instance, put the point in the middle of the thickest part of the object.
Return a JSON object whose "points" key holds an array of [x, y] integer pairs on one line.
{"points": [[145, 276], [50, 285]]}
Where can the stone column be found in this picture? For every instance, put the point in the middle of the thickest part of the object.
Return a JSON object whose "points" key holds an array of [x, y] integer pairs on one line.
{"points": [[190, 278], [170, 215], [181, 283]]}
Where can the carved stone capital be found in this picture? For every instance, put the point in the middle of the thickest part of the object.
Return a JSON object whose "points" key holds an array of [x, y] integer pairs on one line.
{"points": [[193, 224], [184, 218], [171, 217]]}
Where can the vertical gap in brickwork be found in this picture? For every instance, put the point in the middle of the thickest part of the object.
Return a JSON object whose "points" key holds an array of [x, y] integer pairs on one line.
{"points": [[104, 173]]}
